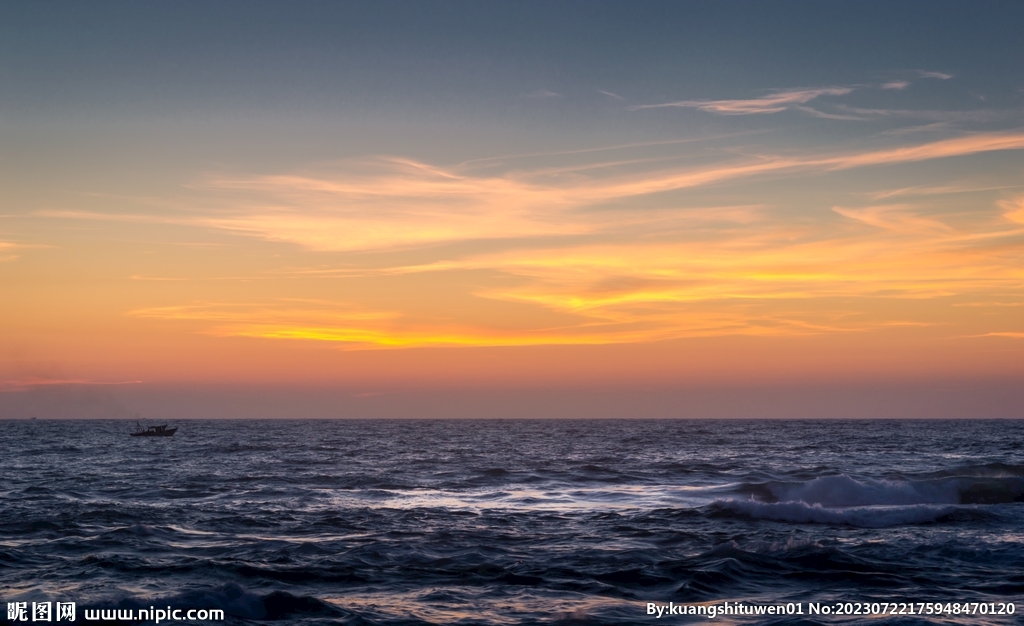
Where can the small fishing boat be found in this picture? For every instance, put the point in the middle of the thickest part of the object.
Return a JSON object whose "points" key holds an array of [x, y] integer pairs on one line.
{"points": [[153, 431]]}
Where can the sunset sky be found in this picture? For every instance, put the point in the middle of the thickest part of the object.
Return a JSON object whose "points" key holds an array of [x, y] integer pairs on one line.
{"points": [[481, 209]]}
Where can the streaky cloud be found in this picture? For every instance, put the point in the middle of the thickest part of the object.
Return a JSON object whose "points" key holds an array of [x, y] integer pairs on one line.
{"points": [[776, 102], [829, 116], [895, 217], [5, 247], [946, 148], [542, 93], [621, 146], [579, 270], [978, 115], [31, 382], [395, 203], [935, 190], [921, 128], [1013, 209]]}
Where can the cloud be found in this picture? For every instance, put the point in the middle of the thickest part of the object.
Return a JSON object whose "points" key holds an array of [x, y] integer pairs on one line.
{"points": [[31, 382], [682, 179], [624, 146], [1014, 209], [939, 75], [280, 311], [137, 218], [829, 116], [773, 103], [922, 128], [542, 93], [6, 246], [759, 281], [988, 304], [897, 217], [978, 115], [610, 94], [584, 260], [354, 329], [723, 271], [390, 203], [946, 148], [933, 191], [896, 84]]}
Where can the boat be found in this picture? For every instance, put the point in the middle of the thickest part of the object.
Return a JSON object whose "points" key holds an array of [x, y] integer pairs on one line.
{"points": [[153, 431]]}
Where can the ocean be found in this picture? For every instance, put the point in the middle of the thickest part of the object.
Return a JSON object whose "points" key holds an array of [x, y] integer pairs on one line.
{"points": [[516, 521]]}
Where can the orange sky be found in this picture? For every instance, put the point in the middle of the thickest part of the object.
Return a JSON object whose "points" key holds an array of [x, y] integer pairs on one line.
{"points": [[867, 230]]}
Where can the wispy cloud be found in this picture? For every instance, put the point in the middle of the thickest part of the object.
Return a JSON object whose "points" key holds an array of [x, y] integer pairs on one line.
{"points": [[587, 255], [137, 218], [394, 203], [178, 279], [6, 248], [32, 382], [353, 329], [759, 275], [829, 116], [542, 93], [979, 115], [279, 311], [946, 148], [1013, 209], [896, 84], [616, 147], [894, 217], [988, 304], [936, 190], [774, 103], [412, 204], [939, 75], [755, 281], [921, 128], [610, 94]]}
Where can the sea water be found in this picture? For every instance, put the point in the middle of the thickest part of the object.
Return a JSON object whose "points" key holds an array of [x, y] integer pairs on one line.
{"points": [[516, 521]]}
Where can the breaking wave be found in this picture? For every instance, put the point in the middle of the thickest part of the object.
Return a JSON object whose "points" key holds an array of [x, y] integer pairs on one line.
{"points": [[868, 503]]}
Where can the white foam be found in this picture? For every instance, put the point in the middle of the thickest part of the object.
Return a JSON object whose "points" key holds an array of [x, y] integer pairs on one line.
{"points": [[555, 498]]}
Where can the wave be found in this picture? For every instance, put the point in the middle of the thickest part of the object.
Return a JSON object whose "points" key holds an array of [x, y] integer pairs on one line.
{"points": [[843, 491], [859, 516], [841, 499]]}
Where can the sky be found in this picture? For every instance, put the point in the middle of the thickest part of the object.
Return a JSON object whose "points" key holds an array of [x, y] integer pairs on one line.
{"points": [[516, 209]]}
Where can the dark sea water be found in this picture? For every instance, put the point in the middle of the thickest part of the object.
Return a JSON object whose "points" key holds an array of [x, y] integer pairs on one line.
{"points": [[513, 522]]}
